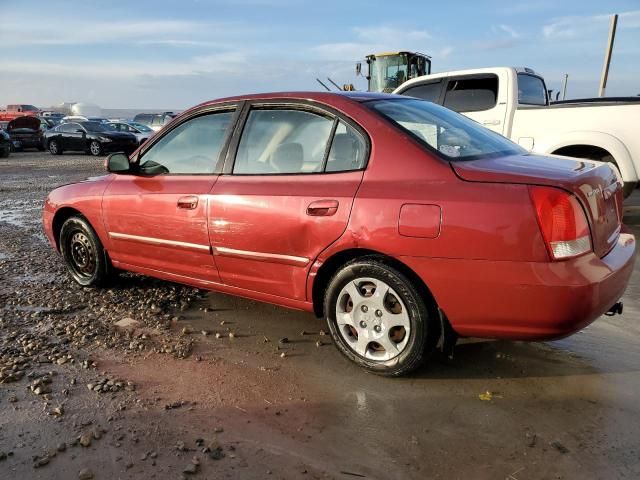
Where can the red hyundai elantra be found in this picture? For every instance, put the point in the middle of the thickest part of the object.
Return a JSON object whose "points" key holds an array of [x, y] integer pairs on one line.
{"points": [[393, 218]]}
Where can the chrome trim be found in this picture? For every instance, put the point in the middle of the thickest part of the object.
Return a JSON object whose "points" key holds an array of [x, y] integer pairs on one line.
{"points": [[160, 242], [261, 257]]}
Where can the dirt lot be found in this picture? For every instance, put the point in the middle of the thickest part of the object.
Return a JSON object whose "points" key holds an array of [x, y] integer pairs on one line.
{"points": [[198, 387]]}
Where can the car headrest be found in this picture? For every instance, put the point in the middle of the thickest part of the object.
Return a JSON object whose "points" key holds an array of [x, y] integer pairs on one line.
{"points": [[344, 152], [288, 157]]}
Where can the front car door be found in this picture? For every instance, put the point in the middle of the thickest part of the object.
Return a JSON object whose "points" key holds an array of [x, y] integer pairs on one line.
{"points": [[71, 136], [156, 218], [285, 195]]}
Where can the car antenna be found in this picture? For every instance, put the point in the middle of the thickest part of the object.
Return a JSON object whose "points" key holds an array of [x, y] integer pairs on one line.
{"points": [[334, 84], [320, 82]]}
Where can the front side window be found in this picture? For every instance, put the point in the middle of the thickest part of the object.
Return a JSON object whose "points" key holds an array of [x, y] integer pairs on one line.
{"points": [[531, 90], [191, 148], [453, 135], [472, 94], [283, 142]]}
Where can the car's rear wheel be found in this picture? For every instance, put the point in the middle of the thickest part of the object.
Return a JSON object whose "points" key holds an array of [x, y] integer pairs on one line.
{"points": [[378, 318], [95, 148], [83, 253], [55, 148]]}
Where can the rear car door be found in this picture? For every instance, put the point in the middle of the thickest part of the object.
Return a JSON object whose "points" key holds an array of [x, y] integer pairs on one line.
{"points": [[71, 136], [481, 97], [286, 195], [156, 218]]}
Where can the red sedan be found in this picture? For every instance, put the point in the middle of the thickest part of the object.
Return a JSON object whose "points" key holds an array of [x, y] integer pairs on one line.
{"points": [[391, 217]]}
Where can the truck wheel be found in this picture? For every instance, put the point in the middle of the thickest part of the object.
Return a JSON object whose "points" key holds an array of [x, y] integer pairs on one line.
{"points": [[378, 318], [55, 148], [83, 253]]}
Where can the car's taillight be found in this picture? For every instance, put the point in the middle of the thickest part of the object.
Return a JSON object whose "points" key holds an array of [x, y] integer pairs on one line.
{"points": [[562, 221]]}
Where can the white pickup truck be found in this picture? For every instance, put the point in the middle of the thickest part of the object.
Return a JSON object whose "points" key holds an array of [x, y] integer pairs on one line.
{"points": [[515, 103]]}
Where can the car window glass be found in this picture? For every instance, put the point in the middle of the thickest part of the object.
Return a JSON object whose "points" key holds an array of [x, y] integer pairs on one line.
{"points": [[283, 141], [158, 120], [531, 90], [70, 127], [192, 147], [453, 135], [472, 94], [427, 91], [348, 150]]}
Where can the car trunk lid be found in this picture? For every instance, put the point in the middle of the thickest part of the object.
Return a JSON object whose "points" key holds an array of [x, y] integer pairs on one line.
{"points": [[595, 184]]}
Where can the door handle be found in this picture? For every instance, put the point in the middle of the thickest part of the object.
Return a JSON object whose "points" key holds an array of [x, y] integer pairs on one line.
{"points": [[491, 122], [322, 208], [189, 202]]}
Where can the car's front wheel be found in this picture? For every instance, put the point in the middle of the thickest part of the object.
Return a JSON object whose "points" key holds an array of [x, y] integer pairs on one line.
{"points": [[378, 318], [83, 253], [95, 148], [55, 148]]}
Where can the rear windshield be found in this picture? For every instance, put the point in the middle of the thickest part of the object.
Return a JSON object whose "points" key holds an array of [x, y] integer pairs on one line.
{"points": [[453, 135]]}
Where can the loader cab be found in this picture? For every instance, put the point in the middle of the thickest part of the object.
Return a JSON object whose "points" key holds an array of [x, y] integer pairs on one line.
{"points": [[387, 71]]}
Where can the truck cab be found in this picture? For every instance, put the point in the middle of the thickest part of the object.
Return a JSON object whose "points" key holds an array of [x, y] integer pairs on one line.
{"points": [[514, 102]]}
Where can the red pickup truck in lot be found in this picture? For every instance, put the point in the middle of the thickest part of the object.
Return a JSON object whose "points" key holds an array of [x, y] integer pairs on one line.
{"points": [[17, 110]]}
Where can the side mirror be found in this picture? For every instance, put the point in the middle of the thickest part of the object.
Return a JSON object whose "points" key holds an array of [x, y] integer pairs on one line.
{"points": [[117, 163]]}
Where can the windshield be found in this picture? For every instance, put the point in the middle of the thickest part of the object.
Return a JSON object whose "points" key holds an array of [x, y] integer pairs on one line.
{"points": [[387, 73], [453, 135], [97, 127], [140, 127]]}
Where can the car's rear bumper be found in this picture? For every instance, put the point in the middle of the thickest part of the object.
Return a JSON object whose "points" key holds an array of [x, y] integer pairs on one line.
{"points": [[527, 300]]}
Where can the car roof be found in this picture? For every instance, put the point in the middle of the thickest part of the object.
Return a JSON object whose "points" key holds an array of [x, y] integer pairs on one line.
{"points": [[304, 95]]}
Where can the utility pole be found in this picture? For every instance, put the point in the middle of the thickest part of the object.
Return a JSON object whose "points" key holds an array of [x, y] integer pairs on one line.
{"points": [[607, 55], [564, 86]]}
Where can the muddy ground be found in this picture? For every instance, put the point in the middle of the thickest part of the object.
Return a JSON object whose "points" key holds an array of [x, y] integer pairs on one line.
{"points": [[197, 386]]}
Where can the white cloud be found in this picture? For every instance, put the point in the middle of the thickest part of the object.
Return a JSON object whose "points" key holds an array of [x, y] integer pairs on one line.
{"points": [[580, 26], [372, 40], [509, 30]]}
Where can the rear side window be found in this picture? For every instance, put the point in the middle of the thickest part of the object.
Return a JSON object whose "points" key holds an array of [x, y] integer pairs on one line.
{"points": [[426, 91], [191, 148], [531, 90], [472, 94], [283, 142], [348, 150]]}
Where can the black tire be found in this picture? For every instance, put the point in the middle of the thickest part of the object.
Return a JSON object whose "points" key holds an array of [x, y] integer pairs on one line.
{"points": [[83, 253], [95, 148], [54, 147], [424, 330], [5, 152]]}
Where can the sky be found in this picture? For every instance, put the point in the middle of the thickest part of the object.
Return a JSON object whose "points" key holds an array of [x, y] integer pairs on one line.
{"points": [[177, 53]]}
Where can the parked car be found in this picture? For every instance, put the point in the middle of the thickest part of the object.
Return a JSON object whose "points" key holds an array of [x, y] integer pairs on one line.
{"points": [[141, 132], [27, 132], [91, 137], [514, 102], [155, 121], [388, 216], [5, 144], [53, 117]]}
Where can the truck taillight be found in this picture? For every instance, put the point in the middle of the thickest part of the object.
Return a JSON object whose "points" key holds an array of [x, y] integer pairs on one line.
{"points": [[562, 222]]}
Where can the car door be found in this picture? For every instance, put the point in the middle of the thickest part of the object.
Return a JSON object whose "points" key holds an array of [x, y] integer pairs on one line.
{"points": [[481, 97], [285, 195], [156, 218], [71, 138]]}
